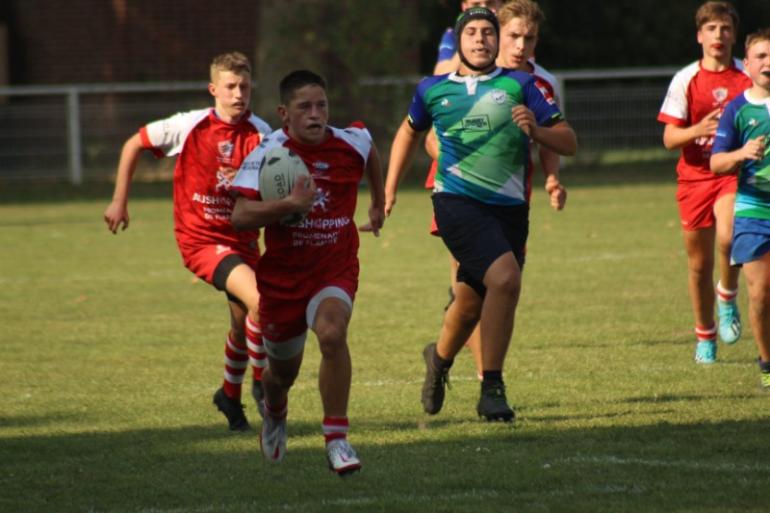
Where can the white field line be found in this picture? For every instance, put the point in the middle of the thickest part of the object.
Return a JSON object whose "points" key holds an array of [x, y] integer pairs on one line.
{"points": [[693, 465], [405, 498]]}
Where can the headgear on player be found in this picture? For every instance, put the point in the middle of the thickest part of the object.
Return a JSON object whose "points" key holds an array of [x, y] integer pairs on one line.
{"points": [[468, 15]]}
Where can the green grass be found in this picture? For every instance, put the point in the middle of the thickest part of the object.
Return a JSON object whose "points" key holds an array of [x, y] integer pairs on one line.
{"points": [[110, 351]]}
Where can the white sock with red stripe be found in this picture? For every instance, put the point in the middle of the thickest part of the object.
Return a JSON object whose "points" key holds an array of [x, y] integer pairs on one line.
{"points": [[257, 354], [277, 412], [704, 334], [726, 294], [236, 362], [335, 428]]}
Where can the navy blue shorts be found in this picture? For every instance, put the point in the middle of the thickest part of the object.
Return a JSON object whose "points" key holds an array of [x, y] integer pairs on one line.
{"points": [[751, 239], [477, 234]]}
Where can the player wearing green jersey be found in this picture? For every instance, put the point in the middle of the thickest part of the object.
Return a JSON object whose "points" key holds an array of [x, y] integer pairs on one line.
{"points": [[484, 118], [741, 142]]}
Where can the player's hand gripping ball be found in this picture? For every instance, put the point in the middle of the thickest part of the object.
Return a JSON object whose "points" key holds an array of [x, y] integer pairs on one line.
{"points": [[279, 170]]}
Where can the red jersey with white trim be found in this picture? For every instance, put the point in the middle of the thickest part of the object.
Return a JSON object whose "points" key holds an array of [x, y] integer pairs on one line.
{"points": [[299, 258], [204, 144], [695, 92]]}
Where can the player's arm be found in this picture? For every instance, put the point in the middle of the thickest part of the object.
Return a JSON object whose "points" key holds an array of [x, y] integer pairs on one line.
{"points": [[677, 136], [447, 65], [373, 173], [431, 144], [729, 161], [402, 152], [549, 161], [559, 137], [250, 214], [116, 214]]}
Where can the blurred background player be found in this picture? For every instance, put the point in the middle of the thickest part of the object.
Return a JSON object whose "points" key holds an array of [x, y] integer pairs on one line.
{"points": [[742, 142], [696, 97], [520, 22], [210, 145], [308, 275], [484, 117]]}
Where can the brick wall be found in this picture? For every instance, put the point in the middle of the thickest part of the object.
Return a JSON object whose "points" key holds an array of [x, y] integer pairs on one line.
{"points": [[125, 40]]}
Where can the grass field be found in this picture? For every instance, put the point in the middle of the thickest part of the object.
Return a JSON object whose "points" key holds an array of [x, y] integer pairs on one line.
{"points": [[110, 352]]}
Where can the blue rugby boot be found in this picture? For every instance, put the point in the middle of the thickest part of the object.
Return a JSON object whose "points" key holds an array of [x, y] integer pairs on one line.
{"points": [[729, 321]]}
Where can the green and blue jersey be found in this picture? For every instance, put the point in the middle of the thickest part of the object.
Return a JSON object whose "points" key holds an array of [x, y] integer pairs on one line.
{"points": [[745, 119], [483, 154]]}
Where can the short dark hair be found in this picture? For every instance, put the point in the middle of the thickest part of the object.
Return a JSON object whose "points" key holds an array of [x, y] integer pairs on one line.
{"points": [[296, 80]]}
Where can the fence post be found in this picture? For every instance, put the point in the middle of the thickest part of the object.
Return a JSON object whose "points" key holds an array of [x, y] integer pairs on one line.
{"points": [[74, 146]]}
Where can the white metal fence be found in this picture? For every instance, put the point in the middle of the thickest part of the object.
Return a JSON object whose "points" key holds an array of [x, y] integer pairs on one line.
{"points": [[75, 132]]}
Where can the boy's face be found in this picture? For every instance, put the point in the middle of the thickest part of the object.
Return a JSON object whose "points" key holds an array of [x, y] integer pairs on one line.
{"points": [[717, 38], [518, 39], [231, 92], [306, 115], [478, 42], [492, 5], [757, 63]]}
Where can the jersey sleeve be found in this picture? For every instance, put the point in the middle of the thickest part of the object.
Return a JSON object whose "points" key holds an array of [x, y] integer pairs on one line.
{"points": [[246, 181], [727, 137], [538, 99], [418, 117], [260, 124], [165, 138], [675, 109], [447, 46], [359, 137]]}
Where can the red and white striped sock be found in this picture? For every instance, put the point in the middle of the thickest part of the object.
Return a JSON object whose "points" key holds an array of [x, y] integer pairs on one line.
{"points": [[726, 294], [257, 354], [335, 428], [236, 362], [704, 334]]}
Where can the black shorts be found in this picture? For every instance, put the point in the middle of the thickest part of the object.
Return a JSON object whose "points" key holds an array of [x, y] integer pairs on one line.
{"points": [[222, 272], [477, 234]]}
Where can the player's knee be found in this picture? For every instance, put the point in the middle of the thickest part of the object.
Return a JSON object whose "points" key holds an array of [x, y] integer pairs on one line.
{"points": [[332, 338], [506, 282]]}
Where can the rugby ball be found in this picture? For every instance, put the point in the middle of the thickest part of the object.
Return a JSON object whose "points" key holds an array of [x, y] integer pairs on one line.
{"points": [[279, 170]]}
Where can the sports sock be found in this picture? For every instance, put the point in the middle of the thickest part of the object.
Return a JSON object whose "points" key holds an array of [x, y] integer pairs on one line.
{"points": [[335, 428], [441, 363], [490, 377], [257, 354], [763, 365], [726, 294], [236, 362], [707, 333]]}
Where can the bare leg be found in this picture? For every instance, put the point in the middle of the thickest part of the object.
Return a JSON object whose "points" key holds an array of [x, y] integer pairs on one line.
{"points": [[699, 245], [459, 321], [758, 280], [723, 208], [331, 328], [503, 283]]}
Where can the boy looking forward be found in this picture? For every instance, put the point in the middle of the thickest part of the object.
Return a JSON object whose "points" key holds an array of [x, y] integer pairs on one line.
{"points": [[209, 145], [696, 98], [743, 142]]}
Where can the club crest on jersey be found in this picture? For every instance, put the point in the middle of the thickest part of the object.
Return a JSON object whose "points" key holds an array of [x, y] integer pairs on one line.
{"points": [[321, 200], [498, 96], [445, 102], [225, 150], [720, 94]]}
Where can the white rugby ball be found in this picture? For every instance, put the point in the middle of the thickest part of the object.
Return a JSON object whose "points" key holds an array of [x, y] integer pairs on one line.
{"points": [[279, 170]]}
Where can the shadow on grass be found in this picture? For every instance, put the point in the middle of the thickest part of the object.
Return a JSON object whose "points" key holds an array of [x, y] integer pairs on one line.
{"points": [[492, 467]]}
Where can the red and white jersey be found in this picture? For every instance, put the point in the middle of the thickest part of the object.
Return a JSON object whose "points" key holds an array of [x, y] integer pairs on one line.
{"points": [[203, 144], [298, 258], [695, 92], [547, 79]]}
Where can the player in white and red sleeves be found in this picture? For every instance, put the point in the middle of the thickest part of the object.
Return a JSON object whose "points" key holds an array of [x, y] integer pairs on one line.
{"points": [[308, 275], [696, 97], [210, 145]]}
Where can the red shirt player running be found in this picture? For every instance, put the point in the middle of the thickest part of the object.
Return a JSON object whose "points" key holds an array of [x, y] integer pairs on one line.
{"points": [[308, 275], [696, 98], [210, 145]]}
